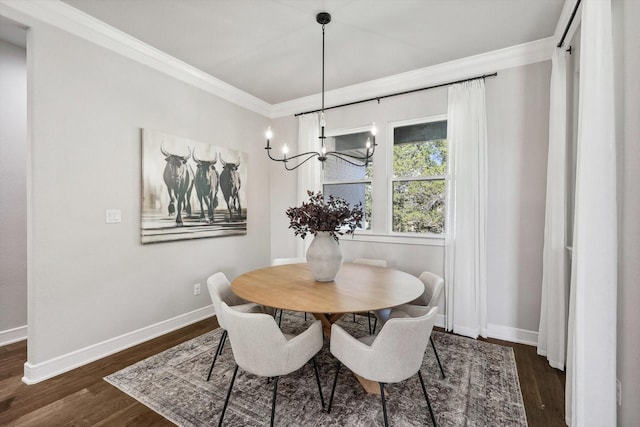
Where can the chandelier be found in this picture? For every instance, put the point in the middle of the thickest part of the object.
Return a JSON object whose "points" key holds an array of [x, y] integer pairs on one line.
{"points": [[363, 160]]}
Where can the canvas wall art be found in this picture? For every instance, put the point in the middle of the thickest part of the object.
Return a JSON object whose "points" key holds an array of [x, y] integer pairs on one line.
{"points": [[191, 189]]}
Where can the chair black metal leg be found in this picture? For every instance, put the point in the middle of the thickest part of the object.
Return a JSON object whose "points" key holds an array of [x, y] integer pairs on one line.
{"points": [[384, 405], [273, 402], [333, 389], [375, 323], [315, 369], [426, 396], [218, 351], [226, 402], [437, 358], [369, 320], [305, 316], [280, 321], [354, 317], [224, 341]]}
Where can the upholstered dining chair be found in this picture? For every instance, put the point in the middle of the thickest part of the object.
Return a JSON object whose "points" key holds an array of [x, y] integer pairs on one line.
{"points": [[433, 287], [391, 356], [260, 348], [377, 263], [284, 261], [220, 291]]}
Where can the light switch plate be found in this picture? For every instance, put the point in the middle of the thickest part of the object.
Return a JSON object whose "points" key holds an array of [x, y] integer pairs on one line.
{"points": [[113, 216]]}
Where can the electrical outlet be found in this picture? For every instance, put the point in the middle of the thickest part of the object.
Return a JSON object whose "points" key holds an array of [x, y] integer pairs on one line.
{"points": [[196, 289], [619, 392]]}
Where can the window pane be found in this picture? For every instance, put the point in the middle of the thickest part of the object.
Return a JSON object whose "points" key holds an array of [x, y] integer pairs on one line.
{"points": [[418, 206], [354, 144], [427, 158], [353, 193], [429, 131], [420, 149]]}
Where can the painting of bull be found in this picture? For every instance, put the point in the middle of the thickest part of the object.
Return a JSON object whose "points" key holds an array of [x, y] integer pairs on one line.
{"points": [[178, 177], [230, 185], [206, 186], [181, 182]]}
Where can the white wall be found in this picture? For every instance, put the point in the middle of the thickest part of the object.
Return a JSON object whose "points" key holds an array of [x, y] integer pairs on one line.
{"points": [[517, 114], [283, 189], [626, 14], [92, 282], [13, 190], [518, 131]]}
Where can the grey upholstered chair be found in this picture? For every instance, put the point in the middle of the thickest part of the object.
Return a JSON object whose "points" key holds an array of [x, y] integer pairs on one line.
{"points": [[284, 261], [433, 287], [220, 291], [377, 263], [260, 348], [391, 356]]}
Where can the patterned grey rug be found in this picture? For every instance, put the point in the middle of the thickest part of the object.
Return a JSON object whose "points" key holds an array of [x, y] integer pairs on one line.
{"points": [[481, 387]]}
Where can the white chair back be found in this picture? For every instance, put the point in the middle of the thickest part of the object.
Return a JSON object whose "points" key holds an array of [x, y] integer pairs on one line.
{"points": [[433, 287], [283, 261], [371, 261], [396, 353], [261, 348], [220, 291]]}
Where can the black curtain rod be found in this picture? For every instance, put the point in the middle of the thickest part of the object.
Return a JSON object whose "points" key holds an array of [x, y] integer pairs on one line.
{"points": [[566, 29], [378, 98]]}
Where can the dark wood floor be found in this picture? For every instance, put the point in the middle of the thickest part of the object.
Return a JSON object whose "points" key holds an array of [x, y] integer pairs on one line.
{"points": [[82, 398]]}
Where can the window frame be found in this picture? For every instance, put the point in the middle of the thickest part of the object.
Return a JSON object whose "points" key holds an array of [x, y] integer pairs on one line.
{"points": [[348, 131], [391, 179], [381, 197]]}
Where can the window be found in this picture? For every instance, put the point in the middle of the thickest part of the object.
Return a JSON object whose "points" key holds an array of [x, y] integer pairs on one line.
{"points": [[418, 183], [342, 179]]}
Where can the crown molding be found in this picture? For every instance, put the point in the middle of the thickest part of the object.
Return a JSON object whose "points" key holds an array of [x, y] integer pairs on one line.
{"points": [[80, 24], [565, 15], [485, 63]]}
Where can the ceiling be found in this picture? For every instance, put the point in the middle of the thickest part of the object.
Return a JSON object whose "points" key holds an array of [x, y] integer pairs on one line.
{"points": [[272, 49]]}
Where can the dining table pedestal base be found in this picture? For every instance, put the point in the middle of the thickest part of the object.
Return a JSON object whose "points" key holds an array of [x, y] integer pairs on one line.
{"points": [[327, 320]]}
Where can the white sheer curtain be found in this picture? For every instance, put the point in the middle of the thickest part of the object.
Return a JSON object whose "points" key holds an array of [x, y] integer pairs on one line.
{"points": [[465, 246], [591, 362], [309, 174], [553, 311]]}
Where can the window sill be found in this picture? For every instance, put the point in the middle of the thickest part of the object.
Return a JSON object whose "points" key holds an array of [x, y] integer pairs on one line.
{"points": [[399, 239]]}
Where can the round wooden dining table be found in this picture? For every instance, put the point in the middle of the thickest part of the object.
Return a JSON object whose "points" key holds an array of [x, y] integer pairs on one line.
{"points": [[357, 288]]}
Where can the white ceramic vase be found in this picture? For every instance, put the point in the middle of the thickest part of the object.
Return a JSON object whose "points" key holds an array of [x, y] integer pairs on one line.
{"points": [[324, 257]]}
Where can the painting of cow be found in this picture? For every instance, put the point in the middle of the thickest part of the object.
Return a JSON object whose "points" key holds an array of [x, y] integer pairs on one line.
{"points": [[206, 186], [230, 185], [178, 177], [181, 179]]}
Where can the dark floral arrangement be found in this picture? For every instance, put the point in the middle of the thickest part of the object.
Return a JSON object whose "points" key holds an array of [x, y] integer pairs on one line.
{"points": [[320, 215]]}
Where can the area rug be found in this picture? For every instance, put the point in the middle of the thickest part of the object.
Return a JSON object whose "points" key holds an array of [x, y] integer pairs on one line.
{"points": [[481, 387]]}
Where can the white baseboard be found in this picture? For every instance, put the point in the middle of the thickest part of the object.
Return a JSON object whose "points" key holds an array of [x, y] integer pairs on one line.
{"points": [[34, 373], [508, 333], [500, 332], [13, 335]]}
